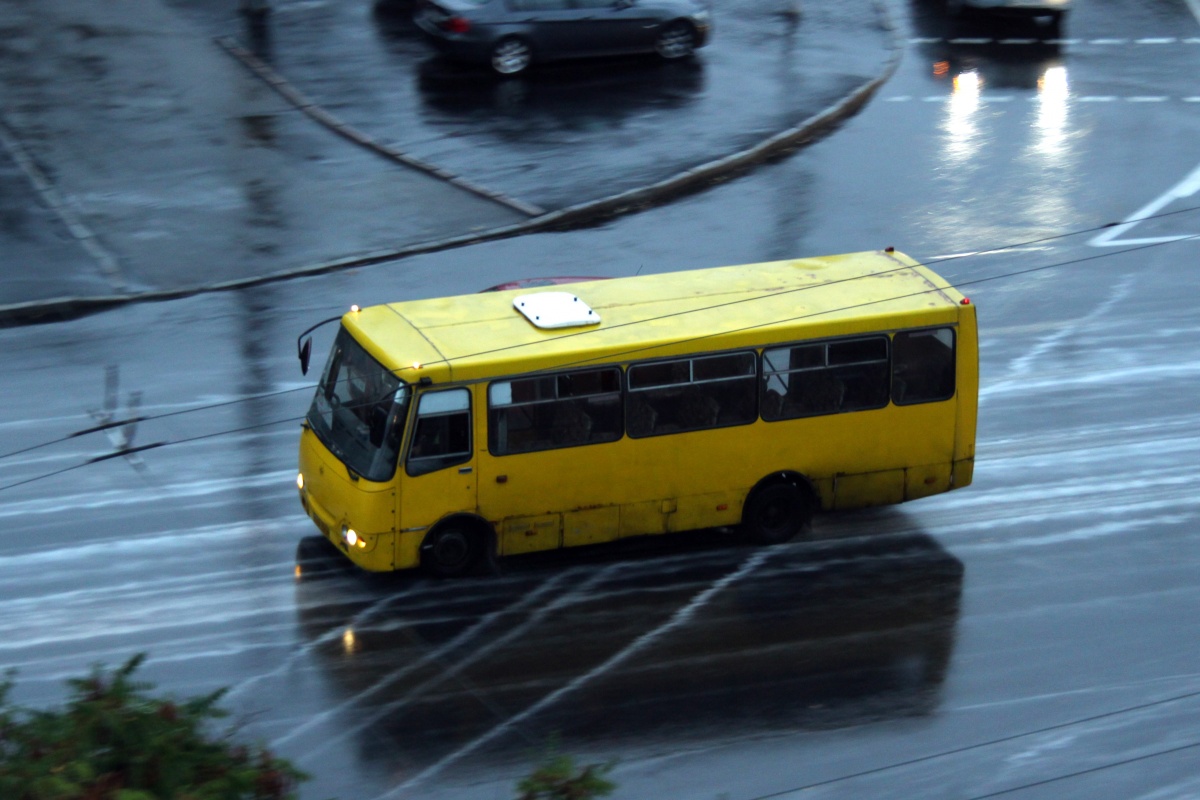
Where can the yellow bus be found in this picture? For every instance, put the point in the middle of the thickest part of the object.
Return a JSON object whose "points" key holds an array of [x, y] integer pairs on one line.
{"points": [[450, 429]]}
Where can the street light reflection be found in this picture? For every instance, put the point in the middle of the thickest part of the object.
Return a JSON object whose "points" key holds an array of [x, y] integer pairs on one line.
{"points": [[961, 124], [1053, 93]]}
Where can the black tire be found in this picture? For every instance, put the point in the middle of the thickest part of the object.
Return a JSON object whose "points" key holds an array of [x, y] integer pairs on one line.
{"points": [[677, 40], [511, 56], [450, 551], [776, 513]]}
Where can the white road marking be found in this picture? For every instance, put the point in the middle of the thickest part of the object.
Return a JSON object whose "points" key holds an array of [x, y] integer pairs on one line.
{"points": [[1088, 98], [1185, 188], [680, 617], [1027, 42], [1021, 365], [436, 656]]}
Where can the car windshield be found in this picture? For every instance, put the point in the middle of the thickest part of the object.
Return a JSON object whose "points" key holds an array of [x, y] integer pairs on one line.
{"points": [[359, 410]]}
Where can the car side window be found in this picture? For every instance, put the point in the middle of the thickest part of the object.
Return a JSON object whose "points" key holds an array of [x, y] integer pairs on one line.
{"points": [[442, 437], [539, 5]]}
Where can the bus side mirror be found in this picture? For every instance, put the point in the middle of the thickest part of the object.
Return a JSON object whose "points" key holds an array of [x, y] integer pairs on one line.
{"points": [[305, 355]]}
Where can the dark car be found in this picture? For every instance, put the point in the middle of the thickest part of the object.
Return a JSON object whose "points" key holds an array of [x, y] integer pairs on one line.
{"points": [[512, 34], [1053, 11]]}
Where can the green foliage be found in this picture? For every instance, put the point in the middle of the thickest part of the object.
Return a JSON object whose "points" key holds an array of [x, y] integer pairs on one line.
{"points": [[557, 779], [114, 741]]}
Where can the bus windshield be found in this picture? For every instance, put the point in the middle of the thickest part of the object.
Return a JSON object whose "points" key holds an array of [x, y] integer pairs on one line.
{"points": [[359, 410]]}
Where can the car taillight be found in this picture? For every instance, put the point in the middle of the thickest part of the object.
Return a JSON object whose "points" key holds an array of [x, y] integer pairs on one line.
{"points": [[457, 25]]}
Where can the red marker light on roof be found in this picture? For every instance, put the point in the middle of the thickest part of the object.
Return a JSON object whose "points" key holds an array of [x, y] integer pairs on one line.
{"points": [[966, 301], [889, 249]]}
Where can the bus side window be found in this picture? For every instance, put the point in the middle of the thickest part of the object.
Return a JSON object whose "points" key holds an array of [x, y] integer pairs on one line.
{"points": [[442, 437], [691, 394], [565, 409], [809, 380], [923, 366]]}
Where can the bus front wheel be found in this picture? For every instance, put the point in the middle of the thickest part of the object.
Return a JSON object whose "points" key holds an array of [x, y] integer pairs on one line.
{"points": [[776, 513], [450, 551]]}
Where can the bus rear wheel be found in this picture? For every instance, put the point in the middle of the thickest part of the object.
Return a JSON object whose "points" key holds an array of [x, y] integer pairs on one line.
{"points": [[776, 513], [450, 551]]}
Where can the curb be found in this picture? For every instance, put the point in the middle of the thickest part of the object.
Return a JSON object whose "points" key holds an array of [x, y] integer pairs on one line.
{"points": [[322, 116], [582, 214]]}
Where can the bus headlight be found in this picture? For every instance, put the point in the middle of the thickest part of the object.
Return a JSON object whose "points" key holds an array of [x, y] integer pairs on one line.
{"points": [[300, 481], [351, 537]]}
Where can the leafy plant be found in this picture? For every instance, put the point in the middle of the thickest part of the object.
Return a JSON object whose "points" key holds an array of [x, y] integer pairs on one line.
{"points": [[556, 778], [114, 741]]}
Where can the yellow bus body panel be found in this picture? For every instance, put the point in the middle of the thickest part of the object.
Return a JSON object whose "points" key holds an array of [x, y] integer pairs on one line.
{"points": [[333, 499], [600, 492]]}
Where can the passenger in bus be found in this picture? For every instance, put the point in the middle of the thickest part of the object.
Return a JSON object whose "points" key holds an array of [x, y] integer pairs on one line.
{"points": [[642, 417], [698, 411], [572, 425], [820, 393]]}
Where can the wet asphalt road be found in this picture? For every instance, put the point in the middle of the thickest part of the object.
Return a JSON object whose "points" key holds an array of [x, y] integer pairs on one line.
{"points": [[1034, 630], [176, 167]]}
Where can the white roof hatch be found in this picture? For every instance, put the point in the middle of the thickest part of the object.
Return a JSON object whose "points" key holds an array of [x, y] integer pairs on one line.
{"points": [[555, 310]]}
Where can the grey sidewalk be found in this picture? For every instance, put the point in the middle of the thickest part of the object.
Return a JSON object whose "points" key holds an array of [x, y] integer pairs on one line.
{"points": [[140, 158]]}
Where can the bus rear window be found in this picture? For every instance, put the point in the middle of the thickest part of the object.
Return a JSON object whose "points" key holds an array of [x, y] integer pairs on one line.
{"points": [[923, 366], [359, 410]]}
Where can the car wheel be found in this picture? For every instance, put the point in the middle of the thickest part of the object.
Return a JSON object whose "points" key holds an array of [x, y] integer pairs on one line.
{"points": [[776, 513], [676, 41], [450, 551], [511, 56]]}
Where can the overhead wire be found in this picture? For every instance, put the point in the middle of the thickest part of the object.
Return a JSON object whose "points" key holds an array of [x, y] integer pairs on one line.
{"points": [[932, 262], [608, 355], [956, 285], [991, 743], [1111, 765]]}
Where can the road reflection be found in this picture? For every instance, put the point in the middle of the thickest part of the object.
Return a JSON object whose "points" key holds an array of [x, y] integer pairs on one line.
{"points": [[573, 95], [685, 642], [1008, 100]]}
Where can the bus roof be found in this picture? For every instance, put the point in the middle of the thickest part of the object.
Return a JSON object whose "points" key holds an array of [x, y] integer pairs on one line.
{"points": [[478, 336]]}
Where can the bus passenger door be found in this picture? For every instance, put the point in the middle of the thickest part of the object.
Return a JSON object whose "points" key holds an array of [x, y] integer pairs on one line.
{"points": [[439, 467]]}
